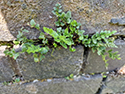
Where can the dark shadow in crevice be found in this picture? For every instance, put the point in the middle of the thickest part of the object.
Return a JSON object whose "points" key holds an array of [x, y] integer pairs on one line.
{"points": [[85, 58]]}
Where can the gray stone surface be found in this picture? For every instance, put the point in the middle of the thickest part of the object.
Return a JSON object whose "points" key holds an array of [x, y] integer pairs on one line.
{"points": [[80, 85], [94, 15], [6, 72], [113, 85], [97, 65], [5, 34], [118, 21], [62, 63]]}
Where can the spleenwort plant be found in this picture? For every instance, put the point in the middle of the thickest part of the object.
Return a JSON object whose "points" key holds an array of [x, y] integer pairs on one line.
{"points": [[29, 45], [67, 35]]}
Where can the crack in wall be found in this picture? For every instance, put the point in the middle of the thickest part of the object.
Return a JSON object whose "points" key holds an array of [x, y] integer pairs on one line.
{"points": [[85, 59], [99, 91]]}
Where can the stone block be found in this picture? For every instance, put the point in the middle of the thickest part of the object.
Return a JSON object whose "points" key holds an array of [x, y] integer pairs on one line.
{"points": [[114, 85], [97, 65], [61, 64], [80, 85], [6, 71]]}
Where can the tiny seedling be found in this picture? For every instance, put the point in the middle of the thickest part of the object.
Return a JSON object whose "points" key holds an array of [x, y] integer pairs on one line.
{"points": [[69, 77]]}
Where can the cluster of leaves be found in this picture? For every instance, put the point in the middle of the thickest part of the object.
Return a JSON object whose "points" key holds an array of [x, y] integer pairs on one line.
{"points": [[69, 77], [67, 29], [67, 34], [17, 80], [99, 42], [28, 45]]}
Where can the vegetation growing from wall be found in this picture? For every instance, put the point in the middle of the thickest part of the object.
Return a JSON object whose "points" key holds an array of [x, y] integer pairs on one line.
{"points": [[67, 35]]}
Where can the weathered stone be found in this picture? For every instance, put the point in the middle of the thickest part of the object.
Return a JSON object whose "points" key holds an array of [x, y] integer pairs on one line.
{"points": [[6, 71], [5, 34], [82, 85], [113, 85], [118, 21], [114, 21], [97, 65], [62, 63], [121, 33], [90, 13]]}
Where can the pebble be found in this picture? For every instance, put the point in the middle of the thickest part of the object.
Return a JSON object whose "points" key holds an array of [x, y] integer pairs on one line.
{"points": [[36, 80]]}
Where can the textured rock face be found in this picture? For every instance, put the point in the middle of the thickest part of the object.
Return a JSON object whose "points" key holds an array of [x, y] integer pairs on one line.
{"points": [[94, 15], [6, 71], [81, 85], [61, 64], [97, 65], [5, 34], [114, 85]]}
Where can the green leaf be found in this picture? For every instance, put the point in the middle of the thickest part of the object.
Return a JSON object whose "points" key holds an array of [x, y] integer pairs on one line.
{"points": [[67, 41], [53, 33], [36, 59], [103, 57], [25, 30], [24, 48], [72, 49], [67, 78], [55, 8], [93, 49], [20, 34], [57, 4], [59, 29], [94, 41], [17, 80], [54, 44], [15, 55], [68, 15], [42, 36], [41, 57], [44, 50], [63, 15], [62, 24], [102, 36], [81, 38], [109, 50], [104, 76], [32, 23], [72, 29], [74, 23], [106, 65], [33, 49], [66, 32], [71, 75], [37, 26], [57, 23], [68, 21], [16, 42], [63, 44], [60, 10], [57, 40]]}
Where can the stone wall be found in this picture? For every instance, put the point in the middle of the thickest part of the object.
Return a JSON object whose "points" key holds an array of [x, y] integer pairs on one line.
{"points": [[94, 15]]}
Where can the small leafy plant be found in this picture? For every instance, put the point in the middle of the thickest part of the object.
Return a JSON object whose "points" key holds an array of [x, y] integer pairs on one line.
{"points": [[69, 77], [17, 80], [67, 35], [29, 45]]}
